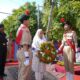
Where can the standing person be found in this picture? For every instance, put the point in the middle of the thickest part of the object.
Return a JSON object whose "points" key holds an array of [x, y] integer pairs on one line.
{"points": [[23, 39], [69, 45], [3, 51], [37, 66]]}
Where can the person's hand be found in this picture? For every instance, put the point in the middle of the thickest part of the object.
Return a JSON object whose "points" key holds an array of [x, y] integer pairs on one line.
{"points": [[76, 50], [37, 53], [58, 50]]}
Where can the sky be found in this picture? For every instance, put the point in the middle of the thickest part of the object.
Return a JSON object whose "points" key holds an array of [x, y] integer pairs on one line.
{"points": [[7, 6]]}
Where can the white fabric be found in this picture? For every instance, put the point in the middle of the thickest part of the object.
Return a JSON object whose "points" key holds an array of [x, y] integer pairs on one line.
{"points": [[71, 35], [37, 65], [38, 76], [67, 76], [26, 35], [71, 76], [26, 54], [37, 41], [26, 62], [78, 57]]}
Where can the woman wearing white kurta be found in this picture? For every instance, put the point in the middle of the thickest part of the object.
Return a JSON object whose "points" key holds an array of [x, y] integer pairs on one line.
{"points": [[37, 66]]}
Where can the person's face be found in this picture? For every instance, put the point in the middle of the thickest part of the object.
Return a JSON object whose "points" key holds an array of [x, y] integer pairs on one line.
{"points": [[41, 34], [26, 22], [66, 27]]}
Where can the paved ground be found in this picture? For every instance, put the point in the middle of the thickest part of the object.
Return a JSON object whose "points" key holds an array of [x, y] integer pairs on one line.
{"points": [[12, 74], [50, 74]]}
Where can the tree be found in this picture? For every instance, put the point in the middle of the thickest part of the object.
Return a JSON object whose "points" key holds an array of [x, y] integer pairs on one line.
{"points": [[67, 9], [12, 23]]}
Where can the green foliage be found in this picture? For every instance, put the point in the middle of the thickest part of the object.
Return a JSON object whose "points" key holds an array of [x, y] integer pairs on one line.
{"points": [[46, 10], [12, 23], [67, 9]]}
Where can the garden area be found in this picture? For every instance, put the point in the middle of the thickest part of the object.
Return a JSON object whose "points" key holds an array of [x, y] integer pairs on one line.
{"points": [[63, 10]]}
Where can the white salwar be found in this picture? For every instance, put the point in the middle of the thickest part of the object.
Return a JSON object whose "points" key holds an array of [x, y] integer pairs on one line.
{"points": [[37, 66]]}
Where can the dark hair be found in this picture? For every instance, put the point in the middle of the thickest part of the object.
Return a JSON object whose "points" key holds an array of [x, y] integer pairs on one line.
{"points": [[23, 17], [68, 23]]}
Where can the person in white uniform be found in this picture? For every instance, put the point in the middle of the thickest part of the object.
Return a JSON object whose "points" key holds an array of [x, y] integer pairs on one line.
{"points": [[24, 55], [37, 66], [69, 45]]}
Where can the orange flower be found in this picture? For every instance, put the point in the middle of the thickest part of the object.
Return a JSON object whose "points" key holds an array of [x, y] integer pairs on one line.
{"points": [[47, 51], [53, 56], [42, 59]]}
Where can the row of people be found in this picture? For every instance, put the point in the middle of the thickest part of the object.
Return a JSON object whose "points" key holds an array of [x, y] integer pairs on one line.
{"points": [[28, 61]]}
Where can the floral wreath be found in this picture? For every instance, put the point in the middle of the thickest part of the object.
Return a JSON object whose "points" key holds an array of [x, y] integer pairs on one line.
{"points": [[47, 52]]}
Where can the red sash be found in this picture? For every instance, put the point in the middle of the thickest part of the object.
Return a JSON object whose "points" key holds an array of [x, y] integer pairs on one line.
{"points": [[19, 36], [69, 42], [72, 45]]}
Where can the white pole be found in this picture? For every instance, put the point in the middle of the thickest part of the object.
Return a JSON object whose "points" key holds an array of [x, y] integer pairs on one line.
{"points": [[50, 18], [38, 18]]}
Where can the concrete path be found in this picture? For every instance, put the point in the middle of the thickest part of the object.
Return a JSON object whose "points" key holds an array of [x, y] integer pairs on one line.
{"points": [[12, 74]]}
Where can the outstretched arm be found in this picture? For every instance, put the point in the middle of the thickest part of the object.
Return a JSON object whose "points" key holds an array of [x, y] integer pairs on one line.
{"points": [[75, 40]]}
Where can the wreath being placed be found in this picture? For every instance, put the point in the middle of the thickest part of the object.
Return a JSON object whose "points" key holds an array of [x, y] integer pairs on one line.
{"points": [[47, 52]]}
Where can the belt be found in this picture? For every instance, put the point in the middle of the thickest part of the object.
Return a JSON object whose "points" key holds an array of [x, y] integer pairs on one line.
{"points": [[21, 46], [33, 48], [66, 45], [27, 57]]}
